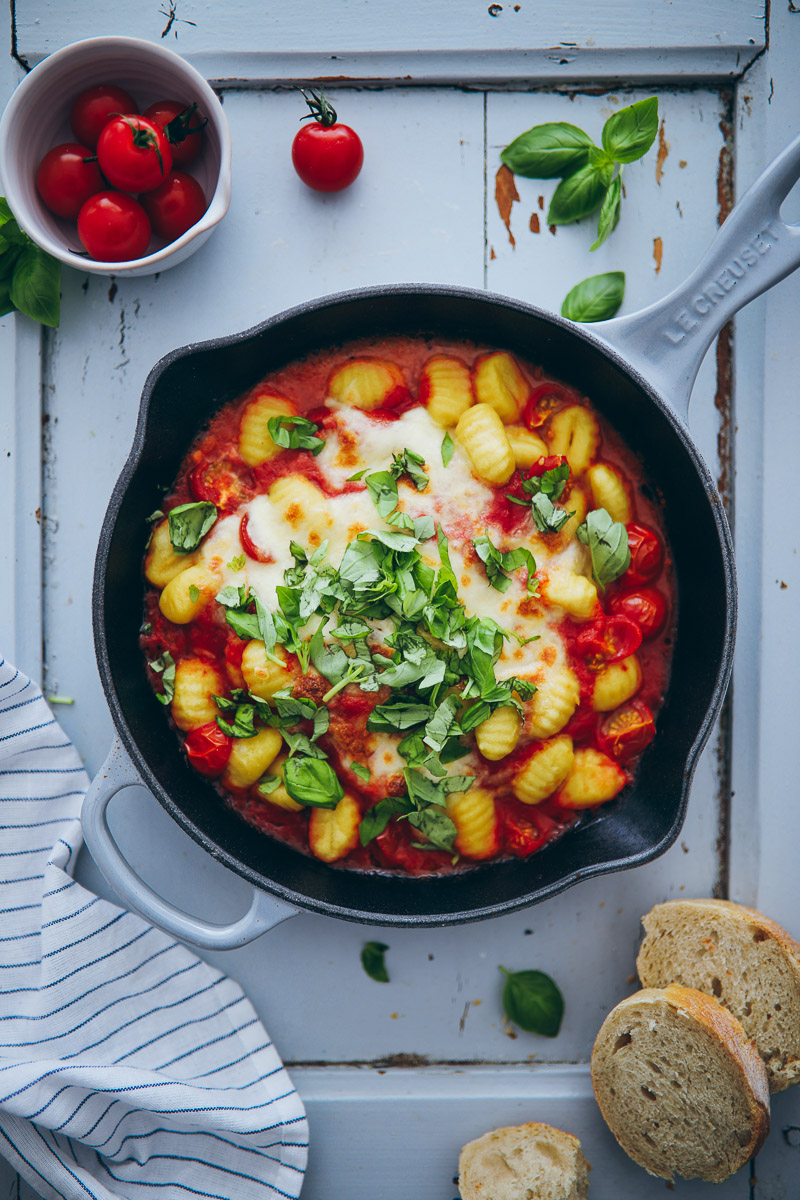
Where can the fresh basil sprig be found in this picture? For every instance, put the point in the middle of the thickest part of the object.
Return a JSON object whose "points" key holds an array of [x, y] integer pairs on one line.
{"points": [[543, 491], [608, 545], [30, 279], [533, 1001], [596, 298], [588, 173], [189, 523], [372, 961], [295, 433]]}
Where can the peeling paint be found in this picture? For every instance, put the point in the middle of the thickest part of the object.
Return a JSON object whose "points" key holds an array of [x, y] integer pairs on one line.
{"points": [[541, 203], [463, 1021], [552, 229], [505, 193], [492, 255], [535, 227], [658, 252], [663, 152]]}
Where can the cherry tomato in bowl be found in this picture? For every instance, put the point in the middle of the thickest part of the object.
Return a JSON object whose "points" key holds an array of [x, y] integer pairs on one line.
{"points": [[647, 555], [134, 154], [93, 108], [113, 227], [183, 127], [646, 606], [627, 731], [175, 205], [326, 154], [67, 176], [208, 749]]}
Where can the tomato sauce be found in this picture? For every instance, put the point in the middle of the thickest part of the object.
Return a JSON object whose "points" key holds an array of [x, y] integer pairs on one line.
{"points": [[213, 470]]}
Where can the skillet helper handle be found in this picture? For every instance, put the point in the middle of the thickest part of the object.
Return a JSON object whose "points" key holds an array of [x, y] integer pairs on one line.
{"points": [[753, 250], [117, 773]]}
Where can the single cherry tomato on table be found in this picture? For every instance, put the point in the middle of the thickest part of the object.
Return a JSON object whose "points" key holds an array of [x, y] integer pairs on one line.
{"points": [[93, 108], [627, 731], [175, 205], [208, 749], [326, 155], [67, 176], [646, 606], [134, 154], [222, 483], [543, 400], [610, 640], [113, 227], [183, 127], [647, 555]]}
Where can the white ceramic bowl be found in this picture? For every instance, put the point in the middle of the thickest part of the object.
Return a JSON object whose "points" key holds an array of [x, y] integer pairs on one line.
{"points": [[37, 118]]}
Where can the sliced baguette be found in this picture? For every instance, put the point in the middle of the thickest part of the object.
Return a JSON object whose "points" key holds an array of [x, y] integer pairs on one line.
{"points": [[748, 962], [679, 1084], [523, 1162]]}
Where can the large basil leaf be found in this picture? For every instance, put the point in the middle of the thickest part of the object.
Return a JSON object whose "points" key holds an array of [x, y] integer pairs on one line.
{"points": [[533, 1001], [609, 213], [581, 193], [630, 133], [313, 782], [36, 285], [548, 151], [189, 523], [596, 298], [608, 545]]}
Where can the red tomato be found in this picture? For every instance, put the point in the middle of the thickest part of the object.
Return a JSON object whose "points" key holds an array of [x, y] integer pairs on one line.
{"points": [[182, 126], [521, 835], [326, 155], [113, 227], [627, 731], [248, 545], [222, 484], [548, 463], [612, 639], [646, 606], [647, 555], [355, 703], [65, 179], [208, 749], [134, 154], [543, 400], [175, 205], [395, 846], [93, 109]]}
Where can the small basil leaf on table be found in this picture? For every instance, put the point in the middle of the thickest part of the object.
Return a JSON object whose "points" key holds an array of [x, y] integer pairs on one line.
{"points": [[189, 523], [533, 1001], [630, 133], [596, 298], [548, 151], [372, 961], [580, 193], [36, 285], [609, 213]]}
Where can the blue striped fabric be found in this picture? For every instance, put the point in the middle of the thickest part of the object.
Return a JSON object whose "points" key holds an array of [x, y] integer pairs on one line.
{"points": [[128, 1066]]}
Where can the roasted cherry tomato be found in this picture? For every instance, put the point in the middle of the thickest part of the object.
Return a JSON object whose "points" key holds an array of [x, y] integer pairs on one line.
{"points": [[326, 155], [113, 227], [396, 849], [248, 545], [222, 484], [67, 176], [543, 400], [627, 731], [646, 606], [522, 834], [647, 555], [175, 205], [208, 749], [93, 109], [183, 128], [610, 640], [548, 463], [134, 154]]}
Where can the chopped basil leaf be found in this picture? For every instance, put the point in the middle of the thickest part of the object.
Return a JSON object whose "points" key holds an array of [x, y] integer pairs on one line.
{"points": [[436, 826], [608, 546], [360, 770], [189, 523], [243, 724], [155, 516], [382, 487], [267, 784], [312, 782], [372, 961], [375, 819], [409, 463], [164, 666], [237, 562], [448, 446], [533, 1001], [295, 433], [497, 562], [194, 593], [390, 718], [546, 517]]}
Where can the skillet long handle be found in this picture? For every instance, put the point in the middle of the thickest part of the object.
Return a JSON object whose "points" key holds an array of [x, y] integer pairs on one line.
{"points": [[753, 250], [117, 773]]}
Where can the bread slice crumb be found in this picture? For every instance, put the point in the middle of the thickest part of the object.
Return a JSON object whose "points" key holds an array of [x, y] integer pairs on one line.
{"points": [[523, 1162]]}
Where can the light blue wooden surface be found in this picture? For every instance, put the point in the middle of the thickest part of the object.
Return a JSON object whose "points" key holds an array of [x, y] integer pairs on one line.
{"points": [[418, 212]]}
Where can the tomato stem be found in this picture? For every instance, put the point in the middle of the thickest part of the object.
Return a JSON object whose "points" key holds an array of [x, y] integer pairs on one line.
{"points": [[321, 110]]}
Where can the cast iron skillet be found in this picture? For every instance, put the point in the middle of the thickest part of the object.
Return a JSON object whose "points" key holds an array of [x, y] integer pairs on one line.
{"points": [[642, 387]]}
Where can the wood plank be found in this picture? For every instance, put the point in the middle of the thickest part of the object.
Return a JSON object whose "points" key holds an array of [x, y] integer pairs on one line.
{"points": [[464, 40]]}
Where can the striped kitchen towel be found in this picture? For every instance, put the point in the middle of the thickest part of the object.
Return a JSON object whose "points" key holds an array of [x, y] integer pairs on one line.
{"points": [[128, 1066]]}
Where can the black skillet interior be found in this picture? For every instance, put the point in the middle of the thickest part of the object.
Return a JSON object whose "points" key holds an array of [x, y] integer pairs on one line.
{"points": [[182, 393]]}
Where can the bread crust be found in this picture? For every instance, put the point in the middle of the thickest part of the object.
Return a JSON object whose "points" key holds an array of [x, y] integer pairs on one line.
{"points": [[783, 1069], [732, 1041], [498, 1165]]}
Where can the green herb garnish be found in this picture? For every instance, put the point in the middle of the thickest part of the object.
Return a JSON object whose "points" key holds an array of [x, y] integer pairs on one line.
{"points": [[596, 298], [164, 666], [533, 1001], [608, 546], [189, 523], [372, 961], [30, 279], [295, 433]]}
